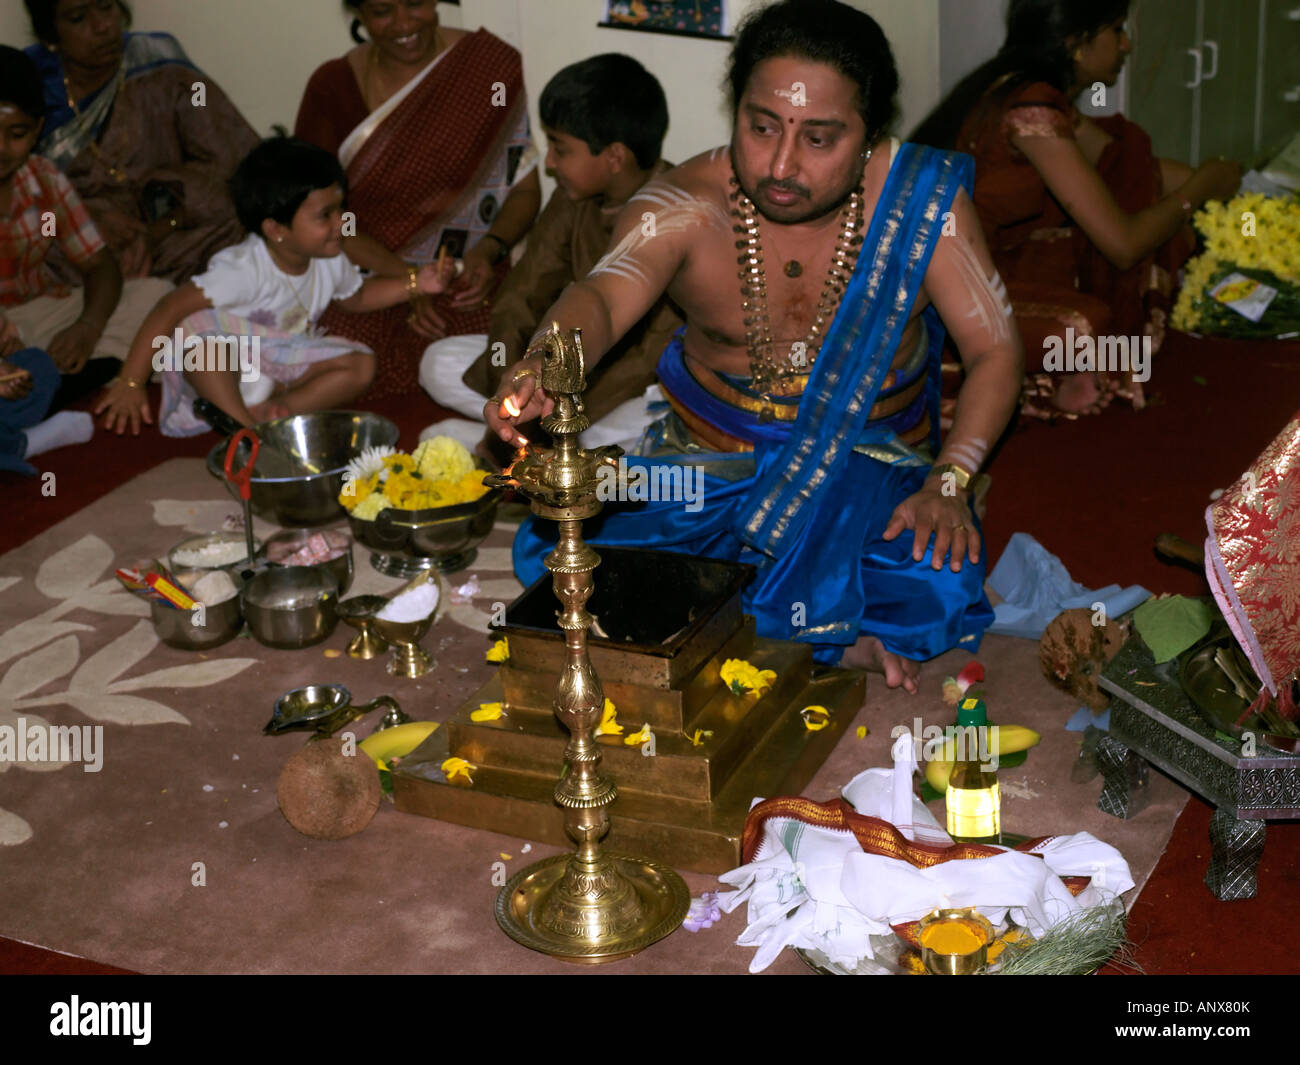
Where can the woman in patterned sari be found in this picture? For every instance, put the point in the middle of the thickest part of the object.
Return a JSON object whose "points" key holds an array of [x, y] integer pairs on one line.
{"points": [[431, 125], [1087, 227], [123, 122]]}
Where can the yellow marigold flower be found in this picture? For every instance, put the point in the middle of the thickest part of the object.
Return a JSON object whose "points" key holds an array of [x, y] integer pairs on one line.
{"points": [[441, 458], [698, 737], [742, 678], [487, 712], [357, 490], [862, 732], [638, 738], [368, 509], [453, 768], [609, 725], [500, 651]]}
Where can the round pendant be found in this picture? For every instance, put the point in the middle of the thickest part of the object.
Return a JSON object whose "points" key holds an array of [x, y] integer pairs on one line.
{"points": [[793, 268]]}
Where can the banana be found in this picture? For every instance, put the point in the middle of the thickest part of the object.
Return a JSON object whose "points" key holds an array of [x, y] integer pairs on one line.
{"points": [[937, 773], [397, 741], [1002, 739]]}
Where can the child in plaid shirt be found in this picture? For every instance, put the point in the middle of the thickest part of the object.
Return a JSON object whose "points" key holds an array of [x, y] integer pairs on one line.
{"points": [[39, 211], [38, 206]]}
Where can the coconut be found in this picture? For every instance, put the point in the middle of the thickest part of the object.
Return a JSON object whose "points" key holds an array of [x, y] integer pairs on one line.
{"points": [[1073, 652], [327, 794]]}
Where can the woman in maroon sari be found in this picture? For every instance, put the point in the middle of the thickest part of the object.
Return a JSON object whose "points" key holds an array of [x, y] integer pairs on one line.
{"points": [[431, 125], [1087, 227]]}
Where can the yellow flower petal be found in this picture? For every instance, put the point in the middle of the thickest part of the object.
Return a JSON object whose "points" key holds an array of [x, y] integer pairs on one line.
{"points": [[862, 732], [815, 718], [698, 737], [500, 651], [458, 767], [487, 712], [638, 738], [609, 725], [742, 677]]}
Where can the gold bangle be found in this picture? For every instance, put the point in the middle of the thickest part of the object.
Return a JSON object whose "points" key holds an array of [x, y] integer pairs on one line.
{"points": [[521, 373], [126, 381], [412, 282]]}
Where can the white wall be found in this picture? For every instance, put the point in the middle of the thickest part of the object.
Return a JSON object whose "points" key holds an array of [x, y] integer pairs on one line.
{"points": [[262, 51], [970, 32]]}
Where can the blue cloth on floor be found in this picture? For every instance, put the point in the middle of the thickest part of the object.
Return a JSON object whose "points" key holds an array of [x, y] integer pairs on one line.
{"points": [[1035, 587], [1083, 717], [19, 414]]}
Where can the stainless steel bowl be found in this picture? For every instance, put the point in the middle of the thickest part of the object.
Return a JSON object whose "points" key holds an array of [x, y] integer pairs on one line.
{"points": [[177, 628], [292, 540], [407, 542], [299, 471], [197, 543], [292, 606]]}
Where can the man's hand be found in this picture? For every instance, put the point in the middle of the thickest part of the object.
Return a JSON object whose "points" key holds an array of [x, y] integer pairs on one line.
{"points": [[476, 282], [518, 401], [14, 381], [946, 516], [124, 406], [10, 341], [72, 348]]}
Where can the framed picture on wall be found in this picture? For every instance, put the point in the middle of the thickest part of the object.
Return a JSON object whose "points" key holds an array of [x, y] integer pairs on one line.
{"points": [[690, 18]]}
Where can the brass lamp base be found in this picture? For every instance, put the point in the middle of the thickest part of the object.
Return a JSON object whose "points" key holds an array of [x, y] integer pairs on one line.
{"points": [[657, 902]]}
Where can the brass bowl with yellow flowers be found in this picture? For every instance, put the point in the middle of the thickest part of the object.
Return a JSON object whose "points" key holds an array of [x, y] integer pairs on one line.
{"points": [[419, 511]]}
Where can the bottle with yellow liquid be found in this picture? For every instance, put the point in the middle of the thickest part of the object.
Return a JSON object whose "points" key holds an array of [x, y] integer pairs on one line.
{"points": [[973, 800]]}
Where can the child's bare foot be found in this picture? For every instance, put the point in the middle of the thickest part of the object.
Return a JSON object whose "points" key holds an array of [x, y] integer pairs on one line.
{"points": [[268, 411], [869, 653], [1082, 393]]}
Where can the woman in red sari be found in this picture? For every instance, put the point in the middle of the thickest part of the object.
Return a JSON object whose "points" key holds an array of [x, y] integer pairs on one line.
{"points": [[1087, 227], [431, 125]]}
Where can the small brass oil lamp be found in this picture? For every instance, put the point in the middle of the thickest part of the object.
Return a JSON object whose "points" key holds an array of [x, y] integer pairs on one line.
{"points": [[589, 906]]}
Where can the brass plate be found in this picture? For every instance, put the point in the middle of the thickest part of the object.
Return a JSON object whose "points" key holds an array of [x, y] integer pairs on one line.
{"points": [[663, 894]]}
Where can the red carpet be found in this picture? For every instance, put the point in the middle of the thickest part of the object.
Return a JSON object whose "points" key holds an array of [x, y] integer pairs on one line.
{"points": [[1094, 492]]}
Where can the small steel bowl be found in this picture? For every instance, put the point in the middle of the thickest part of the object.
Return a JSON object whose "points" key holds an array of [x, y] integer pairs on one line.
{"points": [[221, 621], [292, 606], [955, 964], [197, 543], [291, 540]]}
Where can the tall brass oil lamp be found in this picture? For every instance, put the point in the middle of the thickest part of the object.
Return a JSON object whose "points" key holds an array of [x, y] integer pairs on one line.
{"points": [[589, 906]]}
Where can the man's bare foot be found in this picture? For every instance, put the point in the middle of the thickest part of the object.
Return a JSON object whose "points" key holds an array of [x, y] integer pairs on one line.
{"points": [[870, 654], [268, 411]]}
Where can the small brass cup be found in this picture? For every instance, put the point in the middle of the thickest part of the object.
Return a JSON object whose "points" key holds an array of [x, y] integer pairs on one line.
{"points": [[944, 964], [359, 612]]}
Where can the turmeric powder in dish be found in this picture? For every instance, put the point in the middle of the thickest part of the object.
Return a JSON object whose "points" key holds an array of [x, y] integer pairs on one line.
{"points": [[1000, 944], [953, 937]]}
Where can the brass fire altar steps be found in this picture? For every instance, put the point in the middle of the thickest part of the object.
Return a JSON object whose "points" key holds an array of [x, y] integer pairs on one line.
{"points": [[685, 805]]}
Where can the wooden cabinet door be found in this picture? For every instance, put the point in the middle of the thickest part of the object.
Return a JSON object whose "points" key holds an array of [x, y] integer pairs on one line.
{"points": [[1230, 84], [1161, 73], [1279, 118]]}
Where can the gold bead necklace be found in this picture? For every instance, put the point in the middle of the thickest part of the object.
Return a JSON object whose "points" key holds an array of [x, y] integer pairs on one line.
{"points": [[770, 375]]}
